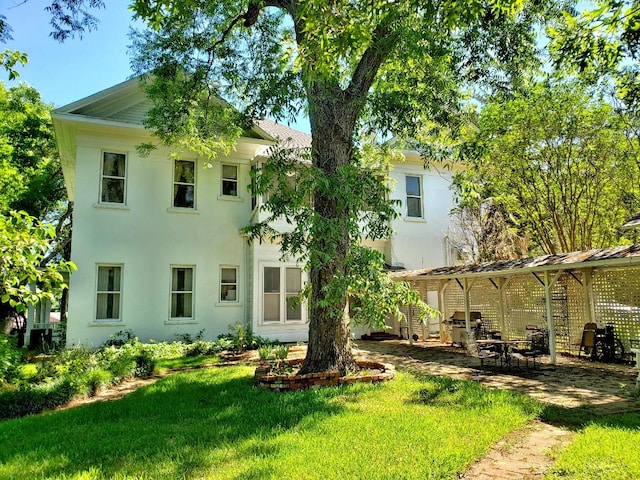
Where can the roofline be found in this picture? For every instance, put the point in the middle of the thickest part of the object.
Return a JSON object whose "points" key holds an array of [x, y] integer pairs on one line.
{"points": [[585, 265], [97, 96]]}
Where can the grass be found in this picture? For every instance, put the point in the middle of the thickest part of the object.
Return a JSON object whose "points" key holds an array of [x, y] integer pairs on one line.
{"points": [[164, 365], [604, 448], [214, 423]]}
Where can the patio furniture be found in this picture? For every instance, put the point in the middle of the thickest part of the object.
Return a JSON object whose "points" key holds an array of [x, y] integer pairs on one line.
{"points": [[483, 351], [588, 341], [539, 347], [635, 348], [507, 350]]}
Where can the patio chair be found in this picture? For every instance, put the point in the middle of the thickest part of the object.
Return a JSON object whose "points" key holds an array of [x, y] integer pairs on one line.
{"points": [[539, 347], [588, 341]]}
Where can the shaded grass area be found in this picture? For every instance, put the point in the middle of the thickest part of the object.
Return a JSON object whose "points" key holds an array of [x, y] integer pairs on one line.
{"points": [[164, 365], [216, 424], [604, 448]]}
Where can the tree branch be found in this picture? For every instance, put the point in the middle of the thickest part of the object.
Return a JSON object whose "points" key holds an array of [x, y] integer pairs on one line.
{"points": [[383, 41]]}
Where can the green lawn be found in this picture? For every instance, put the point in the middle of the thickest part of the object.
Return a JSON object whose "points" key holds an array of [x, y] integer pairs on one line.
{"points": [[606, 448], [214, 423]]}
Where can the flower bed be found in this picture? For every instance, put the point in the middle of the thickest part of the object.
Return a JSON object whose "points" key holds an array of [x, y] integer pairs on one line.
{"points": [[371, 372]]}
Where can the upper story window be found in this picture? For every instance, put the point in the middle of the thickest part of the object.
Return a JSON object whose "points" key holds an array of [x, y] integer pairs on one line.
{"points": [[112, 186], [108, 293], [414, 196], [184, 184], [230, 180]]}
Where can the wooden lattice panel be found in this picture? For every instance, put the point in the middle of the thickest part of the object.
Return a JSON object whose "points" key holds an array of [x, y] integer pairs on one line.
{"points": [[453, 299], [485, 298], [616, 295], [524, 305]]}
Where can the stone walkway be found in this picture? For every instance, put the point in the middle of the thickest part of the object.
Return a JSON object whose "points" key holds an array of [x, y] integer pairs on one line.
{"points": [[571, 383]]}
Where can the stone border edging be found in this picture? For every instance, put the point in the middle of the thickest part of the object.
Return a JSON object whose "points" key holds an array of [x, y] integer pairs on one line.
{"points": [[287, 383]]}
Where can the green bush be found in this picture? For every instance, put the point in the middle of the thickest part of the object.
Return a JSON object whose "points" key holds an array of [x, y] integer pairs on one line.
{"points": [[242, 338], [145, 364], [95, 380], [10, 358], [31, 399]]}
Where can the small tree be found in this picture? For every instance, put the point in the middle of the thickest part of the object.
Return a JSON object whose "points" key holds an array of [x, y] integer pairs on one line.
{"points": [[24, 282], [557, 161]]}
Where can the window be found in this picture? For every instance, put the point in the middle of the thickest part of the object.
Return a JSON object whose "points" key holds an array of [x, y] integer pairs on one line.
{"points": [[230, 180], [271, 294], [293, 287], [184, 184], [112, 186], [181, 292], [414, 197], [281, 287], [229, 284], [108, 293]]}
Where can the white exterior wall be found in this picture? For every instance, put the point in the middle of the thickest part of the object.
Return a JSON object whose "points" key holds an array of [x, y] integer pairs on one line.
{"points": [[148, 237], [420, 242]]}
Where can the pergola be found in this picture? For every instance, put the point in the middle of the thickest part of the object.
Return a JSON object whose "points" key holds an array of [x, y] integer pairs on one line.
{"points": [[558, 292]]}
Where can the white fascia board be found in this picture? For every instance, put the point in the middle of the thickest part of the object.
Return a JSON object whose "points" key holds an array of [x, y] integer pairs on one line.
{"points": [[608, 263], [96, 97]]}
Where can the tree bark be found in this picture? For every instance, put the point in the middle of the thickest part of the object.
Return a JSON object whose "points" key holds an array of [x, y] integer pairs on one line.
{"points": [[332, 120]]}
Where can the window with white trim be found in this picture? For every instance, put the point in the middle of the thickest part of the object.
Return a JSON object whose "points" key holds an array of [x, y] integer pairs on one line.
{"points": [[229, 284], [181, 293], [414, 196], [184, 184], [280, 289], [108, 292], [230, 180], [113, 178]]}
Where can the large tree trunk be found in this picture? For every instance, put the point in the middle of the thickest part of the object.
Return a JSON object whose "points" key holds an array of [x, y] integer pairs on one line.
{"points": [[332, 122]]}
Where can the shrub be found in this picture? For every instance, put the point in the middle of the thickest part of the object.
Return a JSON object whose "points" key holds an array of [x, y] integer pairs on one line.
{"points": [[95, 380], [188, 338], [145, 364], [120, 338], [242, 338], [265, 353], [10, 357], [31, 399], [200, 348]]}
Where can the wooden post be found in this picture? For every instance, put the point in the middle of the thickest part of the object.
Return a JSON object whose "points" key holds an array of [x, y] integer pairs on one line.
{"points": [[548, 284]]}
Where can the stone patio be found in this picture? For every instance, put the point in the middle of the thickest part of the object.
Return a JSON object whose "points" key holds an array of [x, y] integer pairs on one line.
{"points": [[572, 382]]}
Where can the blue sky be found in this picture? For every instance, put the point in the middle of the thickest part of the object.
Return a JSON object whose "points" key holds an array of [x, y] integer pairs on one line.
{"points": [[66, 72], [69, 71]]}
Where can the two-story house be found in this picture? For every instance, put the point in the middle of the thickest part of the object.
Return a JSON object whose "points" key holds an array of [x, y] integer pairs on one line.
{"points": [[157, 238]]}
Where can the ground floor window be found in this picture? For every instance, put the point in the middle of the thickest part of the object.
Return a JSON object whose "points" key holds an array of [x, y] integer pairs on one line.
{"points": [[108, 293], [229, 284], [280, 287], [182, 292]]}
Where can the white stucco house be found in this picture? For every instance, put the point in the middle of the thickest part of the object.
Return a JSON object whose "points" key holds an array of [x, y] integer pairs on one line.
{"points": [[157, 240]]}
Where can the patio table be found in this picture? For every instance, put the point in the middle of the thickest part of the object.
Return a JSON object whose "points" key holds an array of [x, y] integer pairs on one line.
{"points": [[504, 348]]}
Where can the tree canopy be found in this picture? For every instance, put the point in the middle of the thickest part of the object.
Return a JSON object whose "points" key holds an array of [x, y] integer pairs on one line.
{"points": [[560, 164], [601, 45], [68, 18], [30, 174]]}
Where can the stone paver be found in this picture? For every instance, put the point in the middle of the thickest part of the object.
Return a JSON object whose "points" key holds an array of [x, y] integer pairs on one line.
{"points": [[571, 383]]}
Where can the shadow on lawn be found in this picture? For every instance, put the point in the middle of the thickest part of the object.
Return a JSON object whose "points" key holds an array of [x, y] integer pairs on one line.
{"points": [[179, 427], [577, 418]]}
